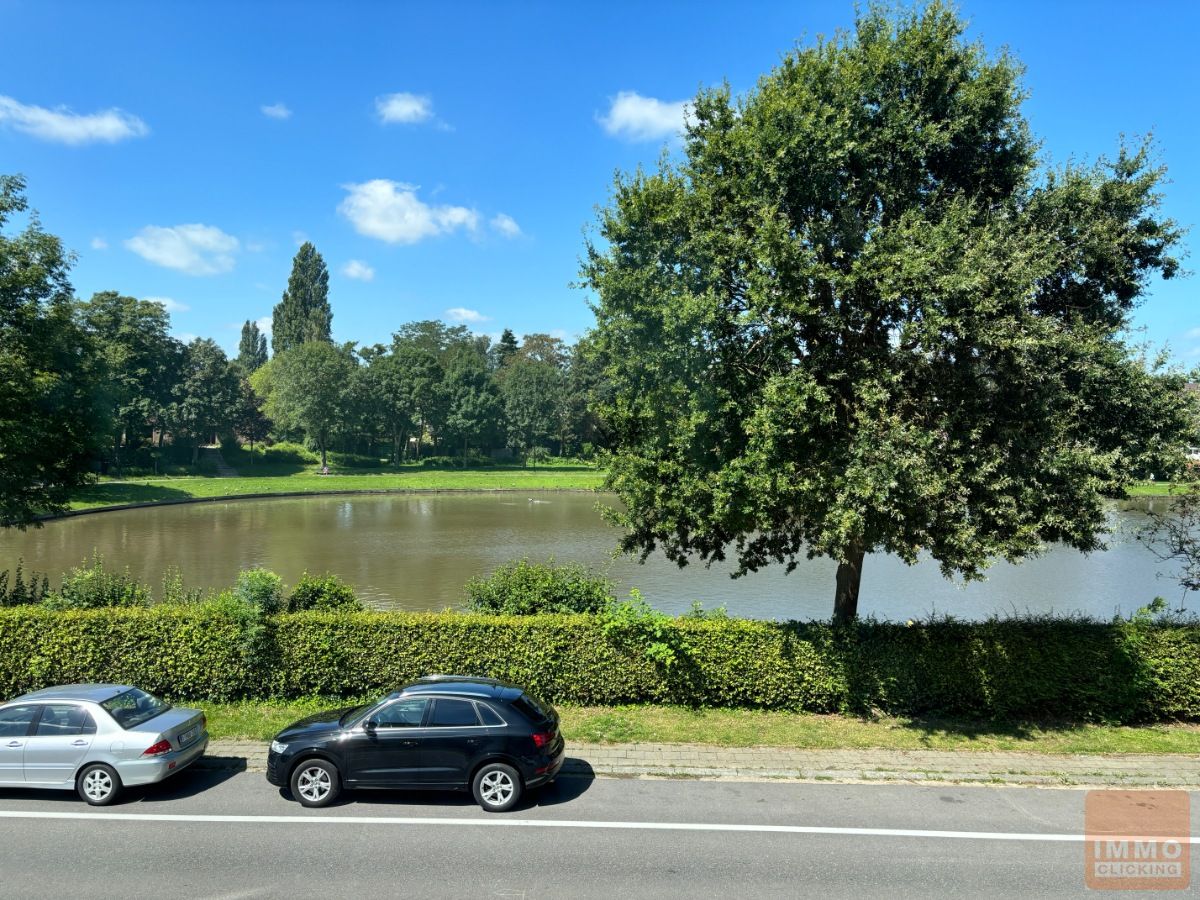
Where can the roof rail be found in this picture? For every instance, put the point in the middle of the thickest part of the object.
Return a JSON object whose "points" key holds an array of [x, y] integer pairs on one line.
{"points": [[463, 678]]}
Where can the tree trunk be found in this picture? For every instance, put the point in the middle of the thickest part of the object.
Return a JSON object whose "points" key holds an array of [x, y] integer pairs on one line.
{"points": [[849, 575], [323, 463]]}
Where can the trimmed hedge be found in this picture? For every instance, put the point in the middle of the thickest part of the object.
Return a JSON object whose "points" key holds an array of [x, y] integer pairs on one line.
{"points": [[1039, 668]]}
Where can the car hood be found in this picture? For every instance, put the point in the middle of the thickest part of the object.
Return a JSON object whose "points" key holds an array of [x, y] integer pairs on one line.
{"points": [[317, 723]]}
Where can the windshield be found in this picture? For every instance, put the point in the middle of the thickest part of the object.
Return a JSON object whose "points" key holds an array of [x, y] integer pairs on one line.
{"points": [[134, 707]]}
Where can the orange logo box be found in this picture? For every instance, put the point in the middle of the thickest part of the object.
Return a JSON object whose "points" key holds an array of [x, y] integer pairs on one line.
{"points": [[1137, 840]]}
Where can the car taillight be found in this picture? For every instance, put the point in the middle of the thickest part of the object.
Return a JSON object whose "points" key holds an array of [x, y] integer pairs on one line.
{"points": [[542, 738], [156, 749]]}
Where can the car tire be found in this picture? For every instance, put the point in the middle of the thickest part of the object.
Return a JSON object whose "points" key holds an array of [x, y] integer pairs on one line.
{"points": [[497, 787], [315, 783], [98, 784]]}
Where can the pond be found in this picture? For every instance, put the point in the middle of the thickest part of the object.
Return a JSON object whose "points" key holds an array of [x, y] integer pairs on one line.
{"points": [[414, 551]]}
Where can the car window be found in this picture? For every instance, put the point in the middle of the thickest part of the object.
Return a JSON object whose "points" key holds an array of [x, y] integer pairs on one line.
{"points": [[530, 709], [401, 714], [63, 719], [134, 707], [453, 713], [15, 721], [489, 715]]}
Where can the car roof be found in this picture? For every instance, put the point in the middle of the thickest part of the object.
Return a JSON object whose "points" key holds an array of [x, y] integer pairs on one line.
{"points": [[95, 693], [461, 685]]}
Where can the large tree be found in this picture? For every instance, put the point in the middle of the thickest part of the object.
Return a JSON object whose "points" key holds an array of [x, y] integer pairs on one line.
{"points": [[474, 404], [141, 364], [857, 316], [304, 313], [208, 397], [51, 419], [307, 390]]}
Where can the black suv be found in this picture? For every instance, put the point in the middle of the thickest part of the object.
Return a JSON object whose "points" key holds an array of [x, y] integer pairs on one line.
{"points": [[440, 732]]}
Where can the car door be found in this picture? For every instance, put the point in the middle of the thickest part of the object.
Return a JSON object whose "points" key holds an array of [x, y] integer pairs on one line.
{"points": [[386, 748], [59, 743], [15, 725], [453, 738]]}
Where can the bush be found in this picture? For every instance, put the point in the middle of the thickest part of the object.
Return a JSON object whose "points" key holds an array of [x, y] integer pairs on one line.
{"points": [[1073, 670], [326, 592], [261, 589], [470, 461], [93, 586], [523, 588], [355, 461], [21, 592]]}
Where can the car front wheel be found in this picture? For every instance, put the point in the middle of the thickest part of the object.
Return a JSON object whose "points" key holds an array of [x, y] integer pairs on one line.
{"points": [[315, 783], [98, 784], [497, 787]]}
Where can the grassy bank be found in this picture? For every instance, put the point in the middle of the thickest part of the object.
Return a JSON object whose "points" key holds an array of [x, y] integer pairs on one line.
{"points": [[753, 728], [1153, 489], [412, 478]]}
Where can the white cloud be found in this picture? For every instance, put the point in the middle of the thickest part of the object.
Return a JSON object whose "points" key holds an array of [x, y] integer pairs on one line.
{"points": [[506, 225], [264, 325], [276, 111], [299, 237], [392, 212], [358, 270], [1193, 333], [462, 314], [99, 243], [66, 127], [193, 249], [171, 306], [403, 108], [636, 118]]}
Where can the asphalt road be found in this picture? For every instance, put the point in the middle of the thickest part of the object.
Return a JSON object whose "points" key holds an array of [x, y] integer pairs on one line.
{"points": [[221, 834]]}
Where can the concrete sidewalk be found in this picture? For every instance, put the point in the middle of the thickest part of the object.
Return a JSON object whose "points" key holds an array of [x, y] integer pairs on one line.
{"points": [[755, 763]]}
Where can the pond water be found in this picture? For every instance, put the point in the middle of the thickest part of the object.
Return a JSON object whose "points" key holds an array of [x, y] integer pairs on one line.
{"points": [[416, 552]]}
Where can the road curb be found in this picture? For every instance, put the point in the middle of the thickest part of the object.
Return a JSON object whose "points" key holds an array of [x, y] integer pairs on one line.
{"points": [[696, 761]]}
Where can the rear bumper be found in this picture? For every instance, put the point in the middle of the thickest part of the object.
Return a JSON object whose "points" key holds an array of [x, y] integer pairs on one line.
{"points": [[156, 768], [548, 772]]}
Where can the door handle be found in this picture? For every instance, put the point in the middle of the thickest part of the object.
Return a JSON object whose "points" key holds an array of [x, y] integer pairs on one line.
{"points": [[14, 744], [472, 741], [79, 743]]}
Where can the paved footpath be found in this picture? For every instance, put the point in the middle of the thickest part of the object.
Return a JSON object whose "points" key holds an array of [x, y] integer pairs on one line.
{"points": [[753, 763]]}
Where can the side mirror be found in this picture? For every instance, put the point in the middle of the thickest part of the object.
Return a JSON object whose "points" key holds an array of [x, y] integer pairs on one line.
{"points": [[371, 724]]}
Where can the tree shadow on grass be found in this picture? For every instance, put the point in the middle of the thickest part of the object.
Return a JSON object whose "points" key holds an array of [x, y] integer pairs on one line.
{"points": [[119, 493]]}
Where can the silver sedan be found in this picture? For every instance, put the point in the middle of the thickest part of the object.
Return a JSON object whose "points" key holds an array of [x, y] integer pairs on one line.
{"points": [[96, 739]]}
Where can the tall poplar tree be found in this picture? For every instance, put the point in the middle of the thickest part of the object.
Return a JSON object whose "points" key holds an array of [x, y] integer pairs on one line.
{"points": [[252, 349], [303, 314]]}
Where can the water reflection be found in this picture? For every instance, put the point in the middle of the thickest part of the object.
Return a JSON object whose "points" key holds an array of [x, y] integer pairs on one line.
{"points": [[416, 552]]}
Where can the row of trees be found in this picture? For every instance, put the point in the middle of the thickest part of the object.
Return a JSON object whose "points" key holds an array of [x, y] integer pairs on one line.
{"points": [[102, 383]]}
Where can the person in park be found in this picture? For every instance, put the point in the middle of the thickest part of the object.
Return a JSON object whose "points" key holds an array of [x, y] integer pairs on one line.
{"points": [[324, 470], [860, 314]]}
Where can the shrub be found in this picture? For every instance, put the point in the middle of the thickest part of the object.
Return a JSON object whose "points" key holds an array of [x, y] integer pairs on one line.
{"points": [[94, 586], [326, 592], [261, 589], [525, 588], [355, 461], [21, 592]]}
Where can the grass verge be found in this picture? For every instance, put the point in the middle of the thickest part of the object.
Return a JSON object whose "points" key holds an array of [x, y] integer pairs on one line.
{"points": [[254, 720], [157, 490]]}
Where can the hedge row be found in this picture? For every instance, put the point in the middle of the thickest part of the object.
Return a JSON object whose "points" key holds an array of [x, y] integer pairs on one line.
{"points": [[1070, 669]]}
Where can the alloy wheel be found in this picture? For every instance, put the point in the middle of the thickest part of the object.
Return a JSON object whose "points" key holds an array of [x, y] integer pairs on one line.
{"points": [[314, 784], [496, 788], [97, 784]]}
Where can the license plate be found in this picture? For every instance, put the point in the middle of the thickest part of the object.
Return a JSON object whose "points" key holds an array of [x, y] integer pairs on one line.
{"points": [[188, 736]]}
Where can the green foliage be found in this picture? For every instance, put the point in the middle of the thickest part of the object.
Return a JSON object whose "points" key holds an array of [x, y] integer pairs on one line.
{"points": [[526, 588], [1073, 670], [306, 389], [22, 592], [858, 316], [252, 348], [260, 589], [304, 314], [537, 455], [634, 624], [52, 409], [94, 586], [324, 592]]}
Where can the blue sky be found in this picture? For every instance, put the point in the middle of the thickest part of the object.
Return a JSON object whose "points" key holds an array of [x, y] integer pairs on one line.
{"points": [[445, 158]]}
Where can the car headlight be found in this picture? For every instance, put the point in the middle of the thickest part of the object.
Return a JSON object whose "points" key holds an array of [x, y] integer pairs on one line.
{"points": [[277, 747]]}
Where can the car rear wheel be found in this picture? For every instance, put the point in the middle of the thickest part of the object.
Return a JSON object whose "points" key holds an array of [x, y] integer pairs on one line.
{"points": [[98, 784], [497, 787], [315, 783]]}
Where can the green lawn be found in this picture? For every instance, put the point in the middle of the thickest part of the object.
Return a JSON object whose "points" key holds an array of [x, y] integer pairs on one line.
{"points": [[754, 728], [154, 490], [1153, 489]]}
